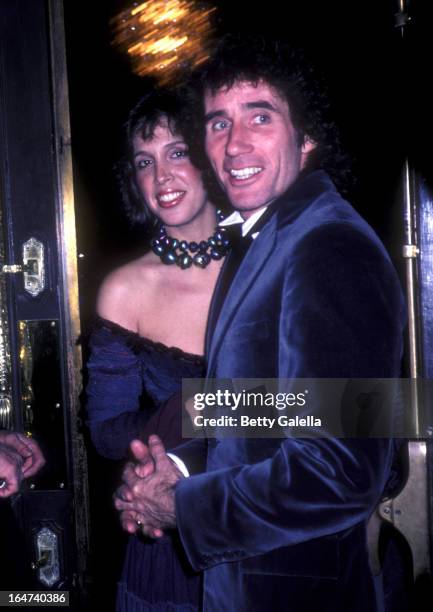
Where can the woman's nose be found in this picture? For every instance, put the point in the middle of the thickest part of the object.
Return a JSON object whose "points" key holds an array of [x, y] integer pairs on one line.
{"points": [[162, 174]]}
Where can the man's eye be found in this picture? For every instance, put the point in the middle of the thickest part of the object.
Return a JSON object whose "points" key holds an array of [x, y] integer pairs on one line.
{"points": [[262, 119], [222, 124], [142, 164]]}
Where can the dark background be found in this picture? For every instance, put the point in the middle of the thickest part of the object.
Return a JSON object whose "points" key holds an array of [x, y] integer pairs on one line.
{"points": [[380, 93], [378, 85]]}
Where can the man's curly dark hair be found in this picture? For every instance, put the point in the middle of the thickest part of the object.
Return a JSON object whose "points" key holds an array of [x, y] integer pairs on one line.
{"points": [[254, 58], [160, 105]]}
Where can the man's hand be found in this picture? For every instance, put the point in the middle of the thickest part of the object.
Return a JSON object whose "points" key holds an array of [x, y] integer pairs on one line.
{"points": [[10, 471], [145, 465], [27, 448], [146, 499]]}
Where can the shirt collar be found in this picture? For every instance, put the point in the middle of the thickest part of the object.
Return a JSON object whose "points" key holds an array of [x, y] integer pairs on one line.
{"points": [[247, 224]]}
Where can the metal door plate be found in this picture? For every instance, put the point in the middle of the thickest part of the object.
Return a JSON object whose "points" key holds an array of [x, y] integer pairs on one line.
{"points": [[34, 269]]}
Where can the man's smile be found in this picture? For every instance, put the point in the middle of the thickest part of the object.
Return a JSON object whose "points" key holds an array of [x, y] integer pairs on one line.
{"points": [[242, 174], [252, 143]]}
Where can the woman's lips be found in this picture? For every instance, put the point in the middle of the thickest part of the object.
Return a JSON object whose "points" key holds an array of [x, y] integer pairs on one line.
{"points": [[168, 199]]}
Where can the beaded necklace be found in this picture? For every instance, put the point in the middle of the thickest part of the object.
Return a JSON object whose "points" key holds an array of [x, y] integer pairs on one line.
{"points": [[184, 254]]}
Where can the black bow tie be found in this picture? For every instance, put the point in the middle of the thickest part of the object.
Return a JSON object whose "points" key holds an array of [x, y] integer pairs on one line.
{"points": [[234, 232]]}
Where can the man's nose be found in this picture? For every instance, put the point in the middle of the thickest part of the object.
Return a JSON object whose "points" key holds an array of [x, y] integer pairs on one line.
{"points": [[162, 173], [239, 141]]}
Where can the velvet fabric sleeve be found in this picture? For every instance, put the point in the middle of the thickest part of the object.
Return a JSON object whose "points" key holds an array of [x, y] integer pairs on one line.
{"points": [[132, 389], [193, 454], [342, 315], [112, 394]]}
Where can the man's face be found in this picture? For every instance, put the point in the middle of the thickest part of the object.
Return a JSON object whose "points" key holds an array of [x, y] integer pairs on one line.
{"points": [[252, 144]]}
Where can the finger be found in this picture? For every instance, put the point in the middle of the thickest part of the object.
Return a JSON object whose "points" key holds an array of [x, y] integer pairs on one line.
{"points": [[11, 463], [128, 475], [36, 450], [11, 487], [146, 465], [140, 451], [150, 531], [143, 471], [157, 450], [129, 515], [9, 481], [134, 506], [37, 461], [27, 465], [19, 443], [124, 493], [29, 451], [121, 504], [128, 522], [130, 526], [132, 521], [27, 441], [163, 463]]}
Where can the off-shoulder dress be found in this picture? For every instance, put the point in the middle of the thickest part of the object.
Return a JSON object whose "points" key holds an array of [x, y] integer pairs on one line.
{"points": [[129, 378]]}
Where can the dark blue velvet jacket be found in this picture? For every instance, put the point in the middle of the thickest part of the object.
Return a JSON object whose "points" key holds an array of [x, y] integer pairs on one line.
{"points": [[280, 524]]}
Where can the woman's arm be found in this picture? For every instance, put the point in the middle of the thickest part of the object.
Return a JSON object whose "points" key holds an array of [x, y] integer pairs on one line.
{"points": [[112, 436]]}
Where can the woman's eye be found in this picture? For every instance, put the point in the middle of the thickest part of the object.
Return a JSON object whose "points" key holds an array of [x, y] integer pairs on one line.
{"points": [[142, 164], [179, 154], [262, 119]]}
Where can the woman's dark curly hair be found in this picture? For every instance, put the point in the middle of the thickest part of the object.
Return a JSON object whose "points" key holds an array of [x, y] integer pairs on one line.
{"points": [[159, 106], [255, 58]]}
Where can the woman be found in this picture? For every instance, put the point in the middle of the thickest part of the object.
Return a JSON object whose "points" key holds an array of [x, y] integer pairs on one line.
{"points": [[151, 327]]}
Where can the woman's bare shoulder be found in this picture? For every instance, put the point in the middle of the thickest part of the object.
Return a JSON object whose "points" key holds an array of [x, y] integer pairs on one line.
{"points": [[121, 293]]}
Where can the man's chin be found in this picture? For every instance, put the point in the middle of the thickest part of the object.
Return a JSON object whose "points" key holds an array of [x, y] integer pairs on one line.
{"points": [[246, 214], [246, 208]]}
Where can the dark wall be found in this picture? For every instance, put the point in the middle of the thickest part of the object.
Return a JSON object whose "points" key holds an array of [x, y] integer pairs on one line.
{"points": [[378, 90]]}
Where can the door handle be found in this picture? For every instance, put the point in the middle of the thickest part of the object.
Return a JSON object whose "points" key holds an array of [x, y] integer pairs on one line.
{"points": [[33, 267], [42, 561], [47, 564]]}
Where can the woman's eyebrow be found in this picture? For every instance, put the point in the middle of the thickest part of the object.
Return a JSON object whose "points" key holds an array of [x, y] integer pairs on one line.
{"points": [[166, 146]]}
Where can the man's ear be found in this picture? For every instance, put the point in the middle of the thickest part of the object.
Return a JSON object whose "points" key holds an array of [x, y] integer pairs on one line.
{"points": [[307, 147]]}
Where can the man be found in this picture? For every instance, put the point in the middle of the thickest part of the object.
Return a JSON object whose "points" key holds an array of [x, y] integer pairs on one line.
{"points": [[280, 524], [20, 457]]}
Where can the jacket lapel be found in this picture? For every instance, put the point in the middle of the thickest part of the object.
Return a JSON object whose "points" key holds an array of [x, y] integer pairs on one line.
{"points": [[249, 269], [282, 211]]}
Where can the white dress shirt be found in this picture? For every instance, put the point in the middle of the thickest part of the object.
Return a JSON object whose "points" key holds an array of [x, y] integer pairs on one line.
{"points": [[247, 224]]}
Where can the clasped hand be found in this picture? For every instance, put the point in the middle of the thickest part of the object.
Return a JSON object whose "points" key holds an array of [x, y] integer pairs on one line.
{"points": [[146, 499], [20, 457]]}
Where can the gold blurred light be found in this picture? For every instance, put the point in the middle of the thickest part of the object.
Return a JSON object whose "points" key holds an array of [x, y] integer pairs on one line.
{"points": [[164, 37]]}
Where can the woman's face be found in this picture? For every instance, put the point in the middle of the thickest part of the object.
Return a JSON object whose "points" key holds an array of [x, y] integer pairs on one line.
{"points": [[170, 185]]}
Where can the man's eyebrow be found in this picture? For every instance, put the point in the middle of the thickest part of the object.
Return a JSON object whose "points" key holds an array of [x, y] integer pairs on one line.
{"points": [[218, 113], [261, 104], [248, 105]]}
